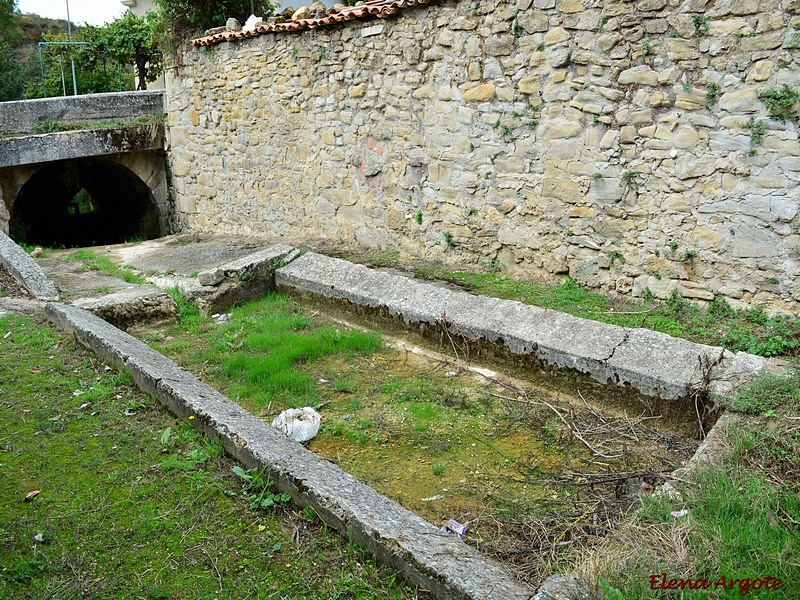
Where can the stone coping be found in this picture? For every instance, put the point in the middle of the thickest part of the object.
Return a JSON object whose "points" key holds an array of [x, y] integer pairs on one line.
{"points": [[415, 548], [652, 363], [26, 270]]}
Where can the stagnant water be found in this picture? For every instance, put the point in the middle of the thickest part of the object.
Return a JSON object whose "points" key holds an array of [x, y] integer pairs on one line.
{"points": [[535, 473]]}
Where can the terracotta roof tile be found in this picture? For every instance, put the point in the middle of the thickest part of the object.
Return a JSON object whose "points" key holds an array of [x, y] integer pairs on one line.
{"points": [[372, 9]]}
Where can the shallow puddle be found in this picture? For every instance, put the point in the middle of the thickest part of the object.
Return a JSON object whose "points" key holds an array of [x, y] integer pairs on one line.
{"points": [[535, 473]]}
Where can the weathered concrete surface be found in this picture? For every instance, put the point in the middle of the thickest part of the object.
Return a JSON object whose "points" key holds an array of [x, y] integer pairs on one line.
{"points": [[243, 279], [135, 307], [417, 549], [26, 270], [22, 306], [66, 145], [184, 254], [215, 271], [652, 363], [563, 587], [24, 115]]}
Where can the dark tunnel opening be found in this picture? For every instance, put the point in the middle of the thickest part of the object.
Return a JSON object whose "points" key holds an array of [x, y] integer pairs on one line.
{"points": [[84, 202]]}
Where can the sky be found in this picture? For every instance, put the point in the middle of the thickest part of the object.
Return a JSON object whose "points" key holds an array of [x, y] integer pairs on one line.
{"points": [[93, 12]]}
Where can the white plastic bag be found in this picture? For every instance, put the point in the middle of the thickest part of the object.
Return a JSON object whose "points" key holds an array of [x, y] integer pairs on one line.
{"points": [[250, 24], [300, 424]]}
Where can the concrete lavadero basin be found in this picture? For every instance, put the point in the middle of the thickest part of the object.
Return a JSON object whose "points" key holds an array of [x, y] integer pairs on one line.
{"points": [[637, 362], [642, 363]]}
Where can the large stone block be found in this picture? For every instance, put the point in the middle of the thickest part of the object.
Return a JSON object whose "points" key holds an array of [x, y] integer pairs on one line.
{"points": [[641, 75], [479, 93]]}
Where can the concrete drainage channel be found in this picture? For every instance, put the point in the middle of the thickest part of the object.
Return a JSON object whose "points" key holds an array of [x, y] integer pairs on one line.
{"points": [[638, 363]]}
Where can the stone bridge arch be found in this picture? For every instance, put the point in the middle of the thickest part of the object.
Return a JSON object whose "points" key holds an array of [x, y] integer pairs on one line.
{"points": [[124, 196]]}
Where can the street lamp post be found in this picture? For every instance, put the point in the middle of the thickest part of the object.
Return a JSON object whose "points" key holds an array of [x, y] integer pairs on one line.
{"points": [[71, 60]]}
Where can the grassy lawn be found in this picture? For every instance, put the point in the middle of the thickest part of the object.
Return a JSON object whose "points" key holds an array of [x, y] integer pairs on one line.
{"points": [[133, 504]]}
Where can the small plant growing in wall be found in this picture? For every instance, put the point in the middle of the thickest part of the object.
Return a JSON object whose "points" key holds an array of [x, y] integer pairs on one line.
{"points": [[700, 25], [493, 266], [647, 48], [449, 240], [756, 129], [603, 22], [533, 115], [673, 246], [689, 257], [687, 87], [418, 217], [628, 180], [473, 212], [712, 93], [780, 102], [516, 28], [616, 255]]}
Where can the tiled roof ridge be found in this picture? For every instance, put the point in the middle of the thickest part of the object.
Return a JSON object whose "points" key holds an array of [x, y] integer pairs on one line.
{"points": [[372, 9]]}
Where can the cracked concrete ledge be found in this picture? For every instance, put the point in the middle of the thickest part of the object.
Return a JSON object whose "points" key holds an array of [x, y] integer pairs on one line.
{"points": [[415, 548], [26, 270], [654, 364], [242, 279], [137, 307]]}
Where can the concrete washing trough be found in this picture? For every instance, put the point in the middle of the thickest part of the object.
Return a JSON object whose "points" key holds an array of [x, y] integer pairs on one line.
{"points": [[640, 363]]}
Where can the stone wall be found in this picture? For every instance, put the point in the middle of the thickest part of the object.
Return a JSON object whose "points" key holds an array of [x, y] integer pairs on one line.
{"points": [[607, 141]]}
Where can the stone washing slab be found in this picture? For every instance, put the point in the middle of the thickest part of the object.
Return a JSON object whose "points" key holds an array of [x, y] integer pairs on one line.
{"points": [[26, 270], [654, 364], [252, 263], [415, 548], [239, 280]]}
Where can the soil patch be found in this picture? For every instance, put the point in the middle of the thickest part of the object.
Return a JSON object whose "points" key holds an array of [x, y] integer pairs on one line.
{"points": [[10, 287]]}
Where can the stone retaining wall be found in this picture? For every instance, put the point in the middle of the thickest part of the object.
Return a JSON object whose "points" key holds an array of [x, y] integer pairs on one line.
{"points": [[607, 141]]}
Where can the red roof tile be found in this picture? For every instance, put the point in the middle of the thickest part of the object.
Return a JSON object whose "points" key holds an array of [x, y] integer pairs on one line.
{"points": [[373, 9]]}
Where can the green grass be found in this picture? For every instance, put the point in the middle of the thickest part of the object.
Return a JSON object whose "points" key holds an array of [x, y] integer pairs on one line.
{"points": [[55, 126], [766, 393], [718, 324], [95, 262], [135, 504], [742, 522], [260, 352], [189, 316]]}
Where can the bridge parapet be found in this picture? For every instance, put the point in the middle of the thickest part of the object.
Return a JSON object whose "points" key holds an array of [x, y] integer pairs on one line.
{"points": [[23, 116], [31, 149]]}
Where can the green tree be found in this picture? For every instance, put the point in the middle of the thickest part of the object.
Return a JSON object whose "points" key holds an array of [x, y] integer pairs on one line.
{"points": [[183, 18], [130, 40], [12, 82], [10, 31]]}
